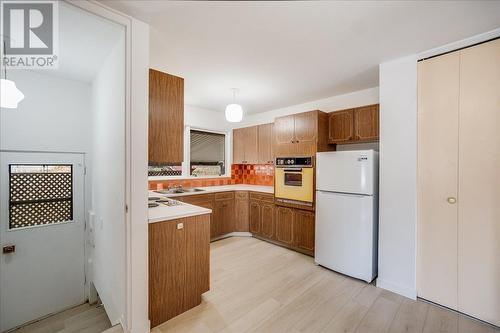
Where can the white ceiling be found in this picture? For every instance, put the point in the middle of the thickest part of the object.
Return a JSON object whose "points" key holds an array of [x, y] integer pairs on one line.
{"points": [[283, 53], [85, 40]]}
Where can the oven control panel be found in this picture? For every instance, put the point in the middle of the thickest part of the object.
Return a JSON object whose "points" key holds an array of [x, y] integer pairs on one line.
{"points": [[303, 162]]}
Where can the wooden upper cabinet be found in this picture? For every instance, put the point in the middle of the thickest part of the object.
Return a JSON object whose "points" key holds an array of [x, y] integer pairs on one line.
{"points": [[266, 143], [306, 130], [284, 129], [239, 146], [301, 134], [245, 145], [354, 125], [166, 118], [341, 126], [366, 123], [251, 145]]}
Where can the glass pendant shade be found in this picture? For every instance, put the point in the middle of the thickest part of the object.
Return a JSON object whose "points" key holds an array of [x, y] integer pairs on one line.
{"points": [[234, 113], [10, 96]]}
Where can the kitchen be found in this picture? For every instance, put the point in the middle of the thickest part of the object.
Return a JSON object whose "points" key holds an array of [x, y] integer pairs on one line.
{"points": [[319, 166]]}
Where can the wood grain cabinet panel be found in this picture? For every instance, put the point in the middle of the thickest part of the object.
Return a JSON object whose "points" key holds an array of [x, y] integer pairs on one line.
{"points": [[341, 126], [224, 217], [166, 118], [301, 134], [284, 225], [268, 225], [266, 144], [239, 146], [179, 264], [245, 145], [303, 230], [255, 217], [241, 208], [354, 125], [366, 123]]}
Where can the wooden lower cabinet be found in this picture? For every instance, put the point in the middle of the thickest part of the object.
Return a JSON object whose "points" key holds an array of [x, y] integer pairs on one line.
{"points": [[284, 225], [255, 217], [224, 221], [179, 266], [241, 211], [303, 229], [268, 227]]}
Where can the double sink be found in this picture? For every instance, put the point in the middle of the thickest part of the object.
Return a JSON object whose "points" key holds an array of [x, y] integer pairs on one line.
{"points": [[179, 190]]}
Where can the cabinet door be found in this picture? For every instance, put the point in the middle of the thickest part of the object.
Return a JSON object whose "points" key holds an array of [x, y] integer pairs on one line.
{"points": [[266, 141], [267, 220], [306, 127], [284, 225], [241, 211], [238, 146], [167, 271], [197, 229], [304, 230], [255, 217], [366, 123], [284, 129], [251, 145], [438, 96], [479, 183], [209, 205], [166, 111], [341, 126], [216, 228], [229, 223]]}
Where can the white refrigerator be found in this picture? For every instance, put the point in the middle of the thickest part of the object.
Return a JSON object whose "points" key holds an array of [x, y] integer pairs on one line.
{"points": [[347, 212]]}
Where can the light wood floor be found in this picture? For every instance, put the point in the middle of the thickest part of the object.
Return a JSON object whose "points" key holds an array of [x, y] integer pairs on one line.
{"points": [[84, 318], [260, 287]]}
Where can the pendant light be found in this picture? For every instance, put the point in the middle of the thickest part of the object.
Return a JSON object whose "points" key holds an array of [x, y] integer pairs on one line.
{"points": [[234, 112], [10, 96]]}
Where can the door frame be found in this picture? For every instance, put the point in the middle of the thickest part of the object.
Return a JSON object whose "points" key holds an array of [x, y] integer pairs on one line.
{"points": [[136, 318]]}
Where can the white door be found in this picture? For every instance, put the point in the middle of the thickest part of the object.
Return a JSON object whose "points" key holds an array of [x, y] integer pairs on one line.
{"points": [[346, 234], [42, 215]]}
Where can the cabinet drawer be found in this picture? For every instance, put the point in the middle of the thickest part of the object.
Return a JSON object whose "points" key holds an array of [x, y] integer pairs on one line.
{"points": [[194, 199], [241, 195], [224, 196], [262, 197]]}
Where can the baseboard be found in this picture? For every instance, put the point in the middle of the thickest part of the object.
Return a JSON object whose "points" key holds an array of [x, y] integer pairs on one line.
{"points": [[232, 234], [395, 288]]}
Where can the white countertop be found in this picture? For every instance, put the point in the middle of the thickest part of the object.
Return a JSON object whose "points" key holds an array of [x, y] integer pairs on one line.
{"points": [[166, 213], [223, 188]]}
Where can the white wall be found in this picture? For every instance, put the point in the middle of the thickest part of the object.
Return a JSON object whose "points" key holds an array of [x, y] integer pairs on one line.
{"points": [[205, 119], [54, 115], [398, 161], [334, 103], [108, 177]]}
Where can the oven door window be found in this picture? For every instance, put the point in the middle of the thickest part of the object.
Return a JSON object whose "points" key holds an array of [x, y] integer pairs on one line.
{"points": [[293, 178]]}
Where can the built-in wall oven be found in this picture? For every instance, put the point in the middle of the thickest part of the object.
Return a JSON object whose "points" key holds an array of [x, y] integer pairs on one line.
{"points": [[294, 181]]}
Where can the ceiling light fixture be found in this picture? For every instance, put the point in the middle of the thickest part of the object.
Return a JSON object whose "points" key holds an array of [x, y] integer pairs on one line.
{"points": [[234, 112], [10, 96]]}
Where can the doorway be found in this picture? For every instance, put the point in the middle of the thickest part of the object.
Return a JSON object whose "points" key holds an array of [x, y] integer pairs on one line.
{"points": [[42, 235]]}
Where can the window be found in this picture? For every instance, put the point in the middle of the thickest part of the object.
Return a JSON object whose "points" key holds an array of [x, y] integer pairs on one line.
{"points": [[40, 194], [207, 153]]}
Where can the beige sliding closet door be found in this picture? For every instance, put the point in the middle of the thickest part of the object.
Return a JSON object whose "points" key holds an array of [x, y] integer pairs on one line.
{"points": [[438, 92], [479, 183]]}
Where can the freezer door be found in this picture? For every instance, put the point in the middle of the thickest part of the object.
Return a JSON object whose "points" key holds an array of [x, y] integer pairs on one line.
{"points": [[347, 171], [346, 234]]}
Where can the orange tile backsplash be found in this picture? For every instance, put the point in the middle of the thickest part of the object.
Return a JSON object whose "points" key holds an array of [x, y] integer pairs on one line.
{"points": [[253, 174]]}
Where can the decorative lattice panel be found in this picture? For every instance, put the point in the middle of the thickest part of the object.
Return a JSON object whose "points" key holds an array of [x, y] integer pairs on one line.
{"points": [[40, 195]]}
